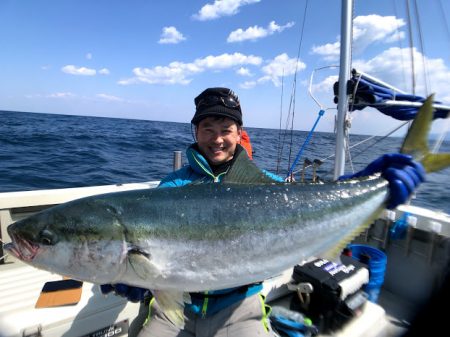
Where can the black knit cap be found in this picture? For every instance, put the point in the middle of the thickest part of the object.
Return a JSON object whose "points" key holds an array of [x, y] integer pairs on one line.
{"points": [[216, 108]]}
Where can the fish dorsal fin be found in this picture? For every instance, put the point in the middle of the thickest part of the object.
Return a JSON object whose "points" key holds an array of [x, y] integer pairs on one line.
{"points": [[244, 171], [416, 140]]}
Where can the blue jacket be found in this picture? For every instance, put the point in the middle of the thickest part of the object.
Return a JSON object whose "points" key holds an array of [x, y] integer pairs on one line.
{"points": [[197, 169], [210, 302]]}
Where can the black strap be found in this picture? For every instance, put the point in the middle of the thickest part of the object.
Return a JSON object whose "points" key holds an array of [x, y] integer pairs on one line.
{"points": [[241, 290]]}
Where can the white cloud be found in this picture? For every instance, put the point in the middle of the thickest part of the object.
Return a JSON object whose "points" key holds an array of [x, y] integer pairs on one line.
{"points": [[375, 28], [109, 97], [393, 66], [180, 73], [367, 30], [248, 84], [170, 35], [227, 61], [61, 95], [281, 66], [256, 32], [325, 86], [73, 70], [252, 84], [104, 71], [394, 37], [329, 51], [89, 56], [221, 8], [244, 71]]}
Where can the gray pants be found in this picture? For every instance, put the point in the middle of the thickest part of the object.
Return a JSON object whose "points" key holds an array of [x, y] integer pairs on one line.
{"points": [[246, 318]]}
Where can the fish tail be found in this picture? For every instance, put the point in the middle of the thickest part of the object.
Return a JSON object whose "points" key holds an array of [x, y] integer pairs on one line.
{"points": [[416, 140], [416, 145]]}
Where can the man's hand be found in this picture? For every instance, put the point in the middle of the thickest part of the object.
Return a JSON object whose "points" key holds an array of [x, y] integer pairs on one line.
{"points": [[133, 294], [403, 173]]}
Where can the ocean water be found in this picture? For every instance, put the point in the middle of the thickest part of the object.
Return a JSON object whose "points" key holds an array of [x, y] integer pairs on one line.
{"points": [[47, 151]]}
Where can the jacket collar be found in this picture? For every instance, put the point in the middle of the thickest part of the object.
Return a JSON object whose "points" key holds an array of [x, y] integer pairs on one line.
{"points": [[199, 163]]}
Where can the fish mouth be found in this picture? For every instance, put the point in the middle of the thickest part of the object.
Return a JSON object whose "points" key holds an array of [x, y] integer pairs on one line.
{"points": [[23, 249]]}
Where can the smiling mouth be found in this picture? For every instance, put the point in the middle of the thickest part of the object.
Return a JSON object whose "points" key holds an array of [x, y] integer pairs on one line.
{"points": [[22, 248], [217, 149]]}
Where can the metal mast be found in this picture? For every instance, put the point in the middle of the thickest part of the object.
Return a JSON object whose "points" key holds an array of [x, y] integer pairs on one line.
{"points": [[344, 76]]}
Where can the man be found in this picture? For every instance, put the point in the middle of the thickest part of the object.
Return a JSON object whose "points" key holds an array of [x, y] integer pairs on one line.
{"points": [[218, 131], [238, 312]]}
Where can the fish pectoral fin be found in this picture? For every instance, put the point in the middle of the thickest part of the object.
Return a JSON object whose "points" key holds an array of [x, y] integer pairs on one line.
{"points": [[142, 266], [172, 304]]}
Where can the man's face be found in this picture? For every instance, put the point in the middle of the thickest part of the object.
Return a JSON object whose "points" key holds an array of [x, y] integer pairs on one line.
{"points": [[217, 138]]}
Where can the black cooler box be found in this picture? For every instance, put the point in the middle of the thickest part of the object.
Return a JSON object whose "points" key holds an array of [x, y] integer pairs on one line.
{"points": [[329, 293]]}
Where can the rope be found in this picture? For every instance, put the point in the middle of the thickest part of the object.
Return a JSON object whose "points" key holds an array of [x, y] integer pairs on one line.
{"points": [[321, 113]]}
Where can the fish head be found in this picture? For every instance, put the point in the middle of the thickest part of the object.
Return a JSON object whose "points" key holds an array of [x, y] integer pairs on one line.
{"points": [[83, 240]]}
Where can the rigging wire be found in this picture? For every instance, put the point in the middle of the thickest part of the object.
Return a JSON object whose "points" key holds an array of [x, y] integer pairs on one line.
{"points": [[279, 147], [291, 108], [285, 132], [291, 143], [443, 134], [397, 32], [422, 48], [440, 140], [380, 138], [294, 89], [411, 50], [444, 18]]}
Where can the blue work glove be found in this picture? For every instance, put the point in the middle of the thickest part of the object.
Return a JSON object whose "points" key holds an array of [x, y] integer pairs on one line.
{"points": [[401, 171], [133, 294]]}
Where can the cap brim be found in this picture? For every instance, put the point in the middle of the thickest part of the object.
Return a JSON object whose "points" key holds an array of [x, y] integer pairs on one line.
{"points": [[218, 111]]}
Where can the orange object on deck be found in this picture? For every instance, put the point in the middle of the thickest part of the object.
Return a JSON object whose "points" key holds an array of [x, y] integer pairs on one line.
{"points": [[245, 143]]}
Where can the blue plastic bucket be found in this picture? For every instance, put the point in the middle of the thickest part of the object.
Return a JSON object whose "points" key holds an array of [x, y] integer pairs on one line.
{"points": [[377, 267]]}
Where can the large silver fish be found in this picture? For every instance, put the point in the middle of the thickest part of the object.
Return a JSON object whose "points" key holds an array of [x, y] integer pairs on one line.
{"points": [[206, 236]]}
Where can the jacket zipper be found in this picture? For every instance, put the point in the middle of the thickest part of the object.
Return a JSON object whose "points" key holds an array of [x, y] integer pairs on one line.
{"points": [[205, 305]]}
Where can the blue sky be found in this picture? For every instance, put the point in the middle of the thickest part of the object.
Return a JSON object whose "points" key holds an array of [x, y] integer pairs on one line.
{"points": [[148, 59]]}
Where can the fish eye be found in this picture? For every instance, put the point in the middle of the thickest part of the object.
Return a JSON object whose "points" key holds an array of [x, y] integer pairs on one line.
{"points": [[138, 251], [47, 237]]}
